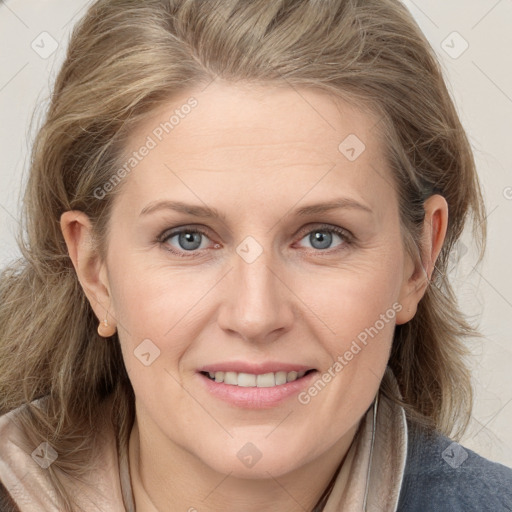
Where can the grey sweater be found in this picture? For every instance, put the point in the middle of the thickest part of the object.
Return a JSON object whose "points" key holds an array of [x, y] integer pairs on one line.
{"points": [[443, 476]]}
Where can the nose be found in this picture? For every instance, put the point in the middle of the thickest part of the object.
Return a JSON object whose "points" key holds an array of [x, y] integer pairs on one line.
{"points": [[257, 301]]}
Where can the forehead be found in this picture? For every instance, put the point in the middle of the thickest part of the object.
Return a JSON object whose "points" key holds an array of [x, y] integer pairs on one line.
{"points": [[267, 141]]}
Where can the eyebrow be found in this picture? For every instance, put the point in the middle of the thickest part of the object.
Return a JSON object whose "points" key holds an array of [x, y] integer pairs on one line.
{"points": [[208, 212], [340, 203], [190, 209]]}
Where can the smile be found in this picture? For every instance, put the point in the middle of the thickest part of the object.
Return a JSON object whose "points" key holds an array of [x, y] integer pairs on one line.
{"points": [[250, 380]]}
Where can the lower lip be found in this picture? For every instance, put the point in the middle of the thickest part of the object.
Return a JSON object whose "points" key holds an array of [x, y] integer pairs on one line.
{"points": [[256, 398]]}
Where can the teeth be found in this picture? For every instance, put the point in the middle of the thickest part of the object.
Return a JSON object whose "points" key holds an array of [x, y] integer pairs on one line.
{"points": [[291, 376], [249, 380], [267, 380], [246, 380], [281, 378], [231, 378]]}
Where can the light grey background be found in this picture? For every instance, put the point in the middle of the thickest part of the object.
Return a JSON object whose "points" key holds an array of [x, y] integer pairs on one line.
{"points": [[480, 79]]}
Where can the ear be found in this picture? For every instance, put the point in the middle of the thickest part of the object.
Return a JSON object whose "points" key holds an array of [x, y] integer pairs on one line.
{"points": [[91, 270], [417, 274]]}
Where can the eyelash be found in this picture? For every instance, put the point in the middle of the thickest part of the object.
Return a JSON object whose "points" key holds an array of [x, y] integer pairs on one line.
{"points": [[348, 239]]}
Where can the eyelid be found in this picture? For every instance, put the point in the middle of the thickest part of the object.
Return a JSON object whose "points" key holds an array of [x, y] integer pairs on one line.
{"points": [[170, 232], [345, 233]]}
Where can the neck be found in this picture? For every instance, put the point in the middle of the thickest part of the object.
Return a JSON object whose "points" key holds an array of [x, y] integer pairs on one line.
{"points": [[179, 481]]}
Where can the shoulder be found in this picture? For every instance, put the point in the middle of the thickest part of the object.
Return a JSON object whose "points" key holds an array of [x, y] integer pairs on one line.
{"points": [[26, 455], [443, 476], [6, 502], [24, 479], [9, 437]]}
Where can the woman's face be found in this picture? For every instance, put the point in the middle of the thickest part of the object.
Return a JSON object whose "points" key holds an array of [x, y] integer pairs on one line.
{"points": [[290, 258]]}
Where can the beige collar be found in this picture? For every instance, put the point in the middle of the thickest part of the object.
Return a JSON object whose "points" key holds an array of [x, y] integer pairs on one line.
{"points": [[24, 473], [370, 479]]}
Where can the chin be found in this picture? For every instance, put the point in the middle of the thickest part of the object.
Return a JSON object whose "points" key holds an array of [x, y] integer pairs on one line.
{"points": [[251, 462]]}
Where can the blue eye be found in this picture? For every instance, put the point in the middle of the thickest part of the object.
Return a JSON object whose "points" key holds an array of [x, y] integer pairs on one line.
{"points": [[189, 240], [322, 238]]}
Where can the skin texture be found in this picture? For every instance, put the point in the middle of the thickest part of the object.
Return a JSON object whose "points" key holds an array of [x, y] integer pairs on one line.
{"points": [[256, 154]]}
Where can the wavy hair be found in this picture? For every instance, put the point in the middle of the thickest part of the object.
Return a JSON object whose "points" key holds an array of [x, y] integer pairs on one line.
{"points": [[127, 58]]}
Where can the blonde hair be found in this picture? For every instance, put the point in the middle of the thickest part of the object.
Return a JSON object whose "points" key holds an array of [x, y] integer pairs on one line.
{"points": [[125, 59]]}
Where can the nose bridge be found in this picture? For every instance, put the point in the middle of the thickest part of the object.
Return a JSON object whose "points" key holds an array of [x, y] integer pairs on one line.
{"points": [[257, 303]]}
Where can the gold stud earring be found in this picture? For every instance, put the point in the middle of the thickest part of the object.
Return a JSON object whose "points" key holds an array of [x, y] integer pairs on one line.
{"points": [[105, 330]]}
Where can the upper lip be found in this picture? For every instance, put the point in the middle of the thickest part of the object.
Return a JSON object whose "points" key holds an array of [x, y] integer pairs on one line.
{"points": [[254, 368]]}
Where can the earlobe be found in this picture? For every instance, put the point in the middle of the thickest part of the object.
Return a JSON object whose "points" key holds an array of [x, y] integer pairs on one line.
{"points": [[78, 234], [417, 275]]}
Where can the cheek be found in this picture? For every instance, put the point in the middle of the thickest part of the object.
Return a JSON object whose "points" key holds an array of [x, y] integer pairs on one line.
{"points": [[157, 304], [354, 296], [358, 306], [155, 331]]}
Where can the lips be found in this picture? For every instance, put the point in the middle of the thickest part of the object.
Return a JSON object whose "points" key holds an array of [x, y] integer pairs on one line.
{"points": [[255, 375], [256, 387]]}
